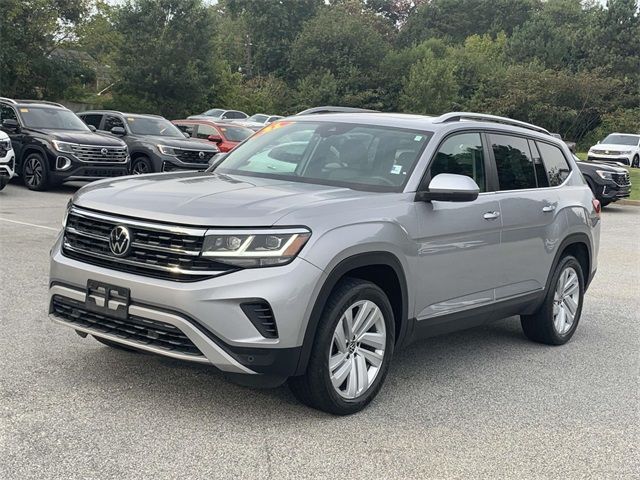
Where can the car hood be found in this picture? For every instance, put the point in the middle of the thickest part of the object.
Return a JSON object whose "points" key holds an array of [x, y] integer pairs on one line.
{"points": [[612, 147], [206, 199], [592, 166], [84, 138], [180, 143]]}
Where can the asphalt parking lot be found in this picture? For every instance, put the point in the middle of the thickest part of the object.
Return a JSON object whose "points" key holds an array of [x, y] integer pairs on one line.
{"points": [[483, 403]]}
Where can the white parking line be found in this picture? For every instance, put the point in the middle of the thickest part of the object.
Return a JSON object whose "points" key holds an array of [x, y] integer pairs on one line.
{"points": [[29, 224]]}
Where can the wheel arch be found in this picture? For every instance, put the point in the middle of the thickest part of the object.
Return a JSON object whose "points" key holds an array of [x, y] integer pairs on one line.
{"points": [[381, 268], [28, 150], [578, 245]]}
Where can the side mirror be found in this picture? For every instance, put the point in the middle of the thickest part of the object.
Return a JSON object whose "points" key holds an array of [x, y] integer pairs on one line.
{"points": [[11, 124], [215, 138], [118, 131], [186, 134], [449, 187], [92, 128]]}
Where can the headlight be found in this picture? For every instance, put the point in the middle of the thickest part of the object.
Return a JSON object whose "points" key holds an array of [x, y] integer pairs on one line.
{"points": [[164, 150], [5, 144], [604, 175], [255, 249], [626, 152], [62, 146]]}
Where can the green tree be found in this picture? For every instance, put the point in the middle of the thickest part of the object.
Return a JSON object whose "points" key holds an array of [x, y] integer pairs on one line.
{"points": [[166, 62], [30, 33], [431, 87]]}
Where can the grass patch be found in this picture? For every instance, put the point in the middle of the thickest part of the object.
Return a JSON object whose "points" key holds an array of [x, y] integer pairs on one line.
{"points": [[634, 173]]}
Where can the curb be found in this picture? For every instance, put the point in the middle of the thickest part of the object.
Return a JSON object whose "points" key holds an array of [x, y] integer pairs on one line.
{"points": [[635, 203]]}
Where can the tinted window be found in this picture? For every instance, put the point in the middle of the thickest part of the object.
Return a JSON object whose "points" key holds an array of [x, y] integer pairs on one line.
{"points": [[111, 121], [53, 118], [541, 171], [463, 155], [236, 134], [513, 162], [7, 112], [92, 119], [158, 126], [372, 158], [205, 130], [216, 112], [555, 163], [234, 115], [187, 128]]}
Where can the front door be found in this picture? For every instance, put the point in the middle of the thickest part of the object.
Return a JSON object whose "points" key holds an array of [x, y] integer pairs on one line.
{"points": [[459, 244]]}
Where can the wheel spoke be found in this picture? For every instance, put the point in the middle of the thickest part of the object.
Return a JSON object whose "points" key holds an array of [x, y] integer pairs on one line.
{"points": [[361, 374], [336, 361], [337, 379], [374, 316], [374, 340], [347, 321], [363, 315], [374, 358], [352, 380], [339, 339], [559, 320], [571, 307]]}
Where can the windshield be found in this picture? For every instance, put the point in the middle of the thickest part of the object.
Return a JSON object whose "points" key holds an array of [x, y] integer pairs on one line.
{"points": [[364, 157], [216, 112], [152, 126], [258, 118], [236, 134], [615, 139], [53, 118]]}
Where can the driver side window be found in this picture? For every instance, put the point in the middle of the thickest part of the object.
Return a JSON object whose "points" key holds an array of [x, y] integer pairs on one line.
{"points": [[111, 121], [461, 154]]}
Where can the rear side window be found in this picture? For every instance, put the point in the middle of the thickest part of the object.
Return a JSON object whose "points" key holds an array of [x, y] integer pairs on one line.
{"points": [[7, 113], [555, 163], [112, 121], [463, 155], [233, 114], [513, 162], [205, 130], [92, 119]]}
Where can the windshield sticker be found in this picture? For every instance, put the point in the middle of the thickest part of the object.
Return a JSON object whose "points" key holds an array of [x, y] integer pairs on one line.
{"points": [[24, 110], [396, 169], [417, 138]]}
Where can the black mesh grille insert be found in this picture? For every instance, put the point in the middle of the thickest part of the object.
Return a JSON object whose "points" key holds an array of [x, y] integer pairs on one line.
{"points": [[261, 316], [136, 329]]}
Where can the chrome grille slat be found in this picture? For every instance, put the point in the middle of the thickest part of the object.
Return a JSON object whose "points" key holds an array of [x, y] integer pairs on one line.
{"points": [[157, 250], [93, 153]]}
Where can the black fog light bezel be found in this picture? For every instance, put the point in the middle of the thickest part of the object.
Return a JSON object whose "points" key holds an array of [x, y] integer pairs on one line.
{"points": [[66, 165]]}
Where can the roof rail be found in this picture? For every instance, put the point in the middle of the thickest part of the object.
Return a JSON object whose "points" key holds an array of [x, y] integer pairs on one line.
{"points": [[8, 100], [41, 101], [332, 109], [482, 117]]}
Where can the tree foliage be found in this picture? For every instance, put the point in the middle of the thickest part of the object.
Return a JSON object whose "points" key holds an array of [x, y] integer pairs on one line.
{"points": [[572, 66]]}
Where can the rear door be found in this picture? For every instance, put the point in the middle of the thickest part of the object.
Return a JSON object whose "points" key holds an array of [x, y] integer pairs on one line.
{"points": [[531, 222]]}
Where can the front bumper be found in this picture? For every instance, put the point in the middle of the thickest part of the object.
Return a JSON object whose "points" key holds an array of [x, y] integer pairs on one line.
{"points": [[8, 165], [66, 167], [208, 312]]}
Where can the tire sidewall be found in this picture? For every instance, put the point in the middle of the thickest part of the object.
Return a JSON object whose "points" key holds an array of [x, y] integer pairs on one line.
{"points": [[144, 160], [635, 162], [567, 261], [365, 291], [45, 172]]}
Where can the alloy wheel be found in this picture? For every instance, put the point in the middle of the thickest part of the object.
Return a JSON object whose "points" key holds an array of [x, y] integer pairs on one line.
{"points": [[140, 168], [566, 299], [33, 172], [357, 349]]}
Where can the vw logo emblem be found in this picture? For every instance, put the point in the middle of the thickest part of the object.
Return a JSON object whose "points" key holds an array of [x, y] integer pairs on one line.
{"points": [[201, 154], [104, 151], [120, 241]]}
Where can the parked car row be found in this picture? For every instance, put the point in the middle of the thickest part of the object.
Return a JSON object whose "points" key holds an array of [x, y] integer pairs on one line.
{"points": [[254, 122]]}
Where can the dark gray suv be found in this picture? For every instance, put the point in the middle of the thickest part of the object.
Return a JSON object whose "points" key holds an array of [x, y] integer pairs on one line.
{"points": [[155, 144], [318, 247]]}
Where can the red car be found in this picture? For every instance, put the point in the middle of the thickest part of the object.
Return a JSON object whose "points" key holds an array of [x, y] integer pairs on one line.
{"points": [[225, 135]]}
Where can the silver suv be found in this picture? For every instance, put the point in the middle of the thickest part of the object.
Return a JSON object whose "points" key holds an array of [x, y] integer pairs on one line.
{"points": [[325, 242]]}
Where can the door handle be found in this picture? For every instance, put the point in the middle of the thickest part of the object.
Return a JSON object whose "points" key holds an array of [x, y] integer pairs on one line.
{"points": [[491, 215], [548, 208]]}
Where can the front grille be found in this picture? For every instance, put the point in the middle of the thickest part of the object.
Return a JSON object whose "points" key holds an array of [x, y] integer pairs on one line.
{"points": [[136, 329], [90, 153], [3, 151], [621, 179], [193, 156], [606, 152], [622, 160], [156, 250], [172, 167]]}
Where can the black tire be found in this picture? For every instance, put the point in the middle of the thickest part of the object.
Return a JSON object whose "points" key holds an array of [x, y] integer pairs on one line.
{"points": [[539, 327], [314, 388], [604, 203], [3, 182], [115, 345], [141, 165], [35, 172], [636, 161]]}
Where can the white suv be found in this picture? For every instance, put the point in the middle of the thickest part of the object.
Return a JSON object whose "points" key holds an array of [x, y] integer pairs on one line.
{"points": [[618, 148], [7, 160]]}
